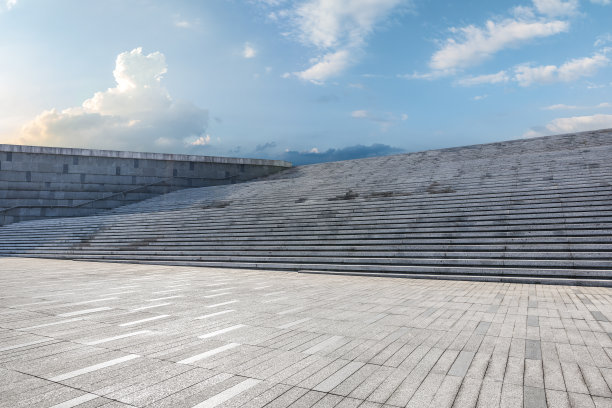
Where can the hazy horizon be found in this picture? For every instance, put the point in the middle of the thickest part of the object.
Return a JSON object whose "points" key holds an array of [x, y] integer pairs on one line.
{"points": [[303, 81]]}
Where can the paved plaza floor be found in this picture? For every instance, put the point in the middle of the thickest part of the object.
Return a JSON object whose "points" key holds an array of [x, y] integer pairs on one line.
{"points": [[120, 335]]}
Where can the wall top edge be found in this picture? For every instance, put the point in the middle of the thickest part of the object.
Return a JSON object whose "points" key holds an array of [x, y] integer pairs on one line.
{"points": [[67, 151]]}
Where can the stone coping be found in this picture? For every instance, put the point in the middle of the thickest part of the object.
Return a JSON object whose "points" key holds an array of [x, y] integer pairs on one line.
{"points": [[66, 151]]}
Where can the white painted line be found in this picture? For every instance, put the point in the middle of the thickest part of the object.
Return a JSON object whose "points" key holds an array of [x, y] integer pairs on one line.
{"points": [[262, 287], [121, 336], [222, 304], [228, 394], [206, 316], [295, 309], [164, 298], [51, 324], [210, 285], [151, 307], [209, 353], [288, 325], [322, 345], [86, 311], [222, 331], [220, 289], [95, 367], [150, 319], [216, 295], [91, 301], [31, 343], [76, 401]]}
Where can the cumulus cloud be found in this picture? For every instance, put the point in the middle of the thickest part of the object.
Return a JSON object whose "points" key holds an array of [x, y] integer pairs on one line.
{"points": [[248, 51], [603, 39], [572, 70], [327, 66], [346, 153], [471, 45], [9, 4], [526, 74], [572, 124], [136, 114], [499, 77], [556, 8], [200, 141], [336, 29]]}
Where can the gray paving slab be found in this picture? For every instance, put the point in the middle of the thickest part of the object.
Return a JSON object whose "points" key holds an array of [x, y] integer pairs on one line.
{"points": [[334, 341]]}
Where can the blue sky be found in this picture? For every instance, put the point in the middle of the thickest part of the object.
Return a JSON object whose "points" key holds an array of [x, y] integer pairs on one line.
{"points": [[305, 80]]}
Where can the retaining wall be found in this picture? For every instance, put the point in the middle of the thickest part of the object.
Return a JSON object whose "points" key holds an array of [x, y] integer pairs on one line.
{"points": [[40, 182]]}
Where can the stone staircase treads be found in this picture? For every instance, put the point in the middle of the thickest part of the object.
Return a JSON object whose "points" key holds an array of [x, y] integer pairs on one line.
{"points": [[531, 210]]}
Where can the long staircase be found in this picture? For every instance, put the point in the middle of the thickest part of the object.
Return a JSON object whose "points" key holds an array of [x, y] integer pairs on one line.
{"points": [[531, 210]]}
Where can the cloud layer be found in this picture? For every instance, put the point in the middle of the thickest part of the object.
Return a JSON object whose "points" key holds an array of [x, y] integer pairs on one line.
{"points": [[136, 114], [472, 45], [336, 29], [528, 74], [573, 124], [347, 153]]}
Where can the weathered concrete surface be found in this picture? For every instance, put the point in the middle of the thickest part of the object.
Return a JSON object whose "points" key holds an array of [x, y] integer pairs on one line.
{"points": [[49, 181], [159, 336], [531, 210]]}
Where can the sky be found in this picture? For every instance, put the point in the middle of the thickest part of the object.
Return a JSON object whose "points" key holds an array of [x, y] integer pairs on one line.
{"points": [[301, 80]]}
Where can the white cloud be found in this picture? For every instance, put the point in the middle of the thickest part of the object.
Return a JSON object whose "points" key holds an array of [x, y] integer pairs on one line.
{"points": [[9, 4], [384, 119], [602, 2], [473, 45], [572, 70], [480, 97], [185, 23], [338, 29], [499, 77], [556, 8], [328, 24], [603, 39], [201, 141], [248, 51], [562, 106], [359, 114], [136, 114], [573, 124], [326, 66]]}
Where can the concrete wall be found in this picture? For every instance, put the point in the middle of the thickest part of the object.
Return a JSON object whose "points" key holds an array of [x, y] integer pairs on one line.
{"points": [[40, 182]]}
